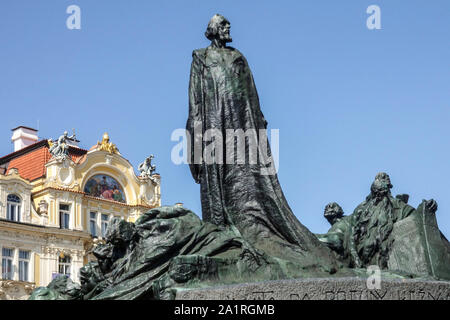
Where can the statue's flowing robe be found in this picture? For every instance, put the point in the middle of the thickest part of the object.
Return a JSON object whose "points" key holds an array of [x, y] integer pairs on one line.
{"points": [[373, 221], [337, 237], [222, 95]]}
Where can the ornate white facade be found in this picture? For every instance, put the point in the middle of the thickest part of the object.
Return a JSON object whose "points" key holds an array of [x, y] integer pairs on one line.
{"points": [[54, 210]]}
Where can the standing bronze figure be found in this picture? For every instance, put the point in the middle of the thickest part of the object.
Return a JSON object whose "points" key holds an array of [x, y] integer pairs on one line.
{"points": [[223, 97]]}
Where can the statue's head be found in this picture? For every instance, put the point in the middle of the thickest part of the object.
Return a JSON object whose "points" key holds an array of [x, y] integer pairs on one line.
{"points": [[119, 232], [382, 185], [149, 159], [65, 133], [333, 212], [105, 137], [383, 176], [218, 28]]}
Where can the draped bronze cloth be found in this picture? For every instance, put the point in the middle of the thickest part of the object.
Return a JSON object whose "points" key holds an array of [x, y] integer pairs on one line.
{"points": [[222, 95]]}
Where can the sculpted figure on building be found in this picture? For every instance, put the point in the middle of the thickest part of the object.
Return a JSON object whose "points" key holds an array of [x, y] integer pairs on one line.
{"points": [[106, 145], [146, 168], [60, 148]]}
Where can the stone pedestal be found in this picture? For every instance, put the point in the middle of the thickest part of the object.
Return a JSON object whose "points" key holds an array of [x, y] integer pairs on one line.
{"points": [[323, 289]]}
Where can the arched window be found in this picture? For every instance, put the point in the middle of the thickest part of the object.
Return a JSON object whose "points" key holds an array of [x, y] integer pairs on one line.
{"points": [[14, 205]]}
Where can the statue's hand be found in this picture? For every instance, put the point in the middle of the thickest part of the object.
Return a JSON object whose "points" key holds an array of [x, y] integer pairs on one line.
{"points": [[431, 205]]}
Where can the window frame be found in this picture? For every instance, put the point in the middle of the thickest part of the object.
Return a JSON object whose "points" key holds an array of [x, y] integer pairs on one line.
{"points": [[13, 215], [7, 259], [94, 221], [63, 213], [66, 266], [24, 262], [104, 223]]}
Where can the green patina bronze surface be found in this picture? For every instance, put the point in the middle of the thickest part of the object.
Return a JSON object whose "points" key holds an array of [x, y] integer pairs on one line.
{"points": [[248, 232], [242, 195], [387, 232]]}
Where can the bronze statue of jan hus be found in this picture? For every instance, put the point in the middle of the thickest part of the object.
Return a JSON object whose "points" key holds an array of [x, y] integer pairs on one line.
{"points": [[249, 233], [223, 96]]}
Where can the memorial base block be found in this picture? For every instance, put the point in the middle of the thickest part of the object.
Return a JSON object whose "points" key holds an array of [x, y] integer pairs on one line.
{"points": [[323, 289]]}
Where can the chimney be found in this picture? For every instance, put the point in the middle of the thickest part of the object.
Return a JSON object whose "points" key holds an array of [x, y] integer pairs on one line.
{"points": [[23, 137]]}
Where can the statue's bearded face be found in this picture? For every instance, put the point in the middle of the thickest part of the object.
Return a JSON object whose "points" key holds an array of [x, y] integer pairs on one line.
{"points": [[223, 31], [219, 29], [333, 212], [384, 177], [381, 187]]}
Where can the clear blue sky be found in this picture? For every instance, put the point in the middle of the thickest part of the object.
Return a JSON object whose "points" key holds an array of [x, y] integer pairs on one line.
{"points": [[349, 102]]}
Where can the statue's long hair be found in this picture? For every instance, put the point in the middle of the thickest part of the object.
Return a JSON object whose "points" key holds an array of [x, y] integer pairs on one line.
{"points": [[213, 26], [372, 235]]}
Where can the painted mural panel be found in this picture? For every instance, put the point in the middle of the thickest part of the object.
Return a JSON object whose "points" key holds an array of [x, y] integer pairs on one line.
{"points": [[104, 187]]}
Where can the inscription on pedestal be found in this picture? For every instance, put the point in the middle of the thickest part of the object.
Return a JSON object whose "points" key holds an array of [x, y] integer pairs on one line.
{"points": [[324, 289]]}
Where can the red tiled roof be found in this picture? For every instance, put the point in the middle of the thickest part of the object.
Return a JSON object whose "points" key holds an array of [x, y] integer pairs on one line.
{"points": [[30, 161], [15, 154], [32, 164], [78, 159], [77, 155]]}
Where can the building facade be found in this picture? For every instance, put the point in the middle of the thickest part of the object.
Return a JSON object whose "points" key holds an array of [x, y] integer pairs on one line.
{"points": [[53, 210]]}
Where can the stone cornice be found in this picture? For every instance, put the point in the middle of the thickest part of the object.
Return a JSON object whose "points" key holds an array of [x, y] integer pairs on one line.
{"points": [[34, 229], [84, 195], [14, 177]]}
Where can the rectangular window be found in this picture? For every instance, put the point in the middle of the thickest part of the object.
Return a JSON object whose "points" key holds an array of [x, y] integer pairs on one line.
{"points": [[64, 265], [24, 260], [13, 207], [13, 212], [64, 216], [7, 263], [93, 223], [105, 220]]}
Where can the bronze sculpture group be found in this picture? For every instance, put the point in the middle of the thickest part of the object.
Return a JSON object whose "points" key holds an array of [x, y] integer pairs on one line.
{"points": [[248, 232]]}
